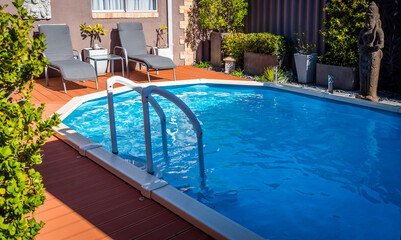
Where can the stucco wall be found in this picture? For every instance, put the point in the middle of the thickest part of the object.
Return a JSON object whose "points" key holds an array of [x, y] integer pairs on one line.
{"points": [[75, 12]]}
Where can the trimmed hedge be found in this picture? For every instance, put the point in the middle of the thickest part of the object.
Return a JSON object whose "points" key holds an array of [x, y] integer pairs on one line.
{"points": [[237, 44]]}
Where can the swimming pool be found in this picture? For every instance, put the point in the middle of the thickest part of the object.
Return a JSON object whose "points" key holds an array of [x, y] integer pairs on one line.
{"points": [[284, 165]]}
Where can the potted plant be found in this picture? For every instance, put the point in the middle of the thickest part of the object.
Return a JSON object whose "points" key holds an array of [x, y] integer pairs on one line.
{"points": [[254, 52], [94, 32], [161, 43], [344, 20], [305, 59], [262, 50], [218, 18]]}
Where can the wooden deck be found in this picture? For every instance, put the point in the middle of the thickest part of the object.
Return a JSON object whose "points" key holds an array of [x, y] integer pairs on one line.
{"points": [[85, 201]]}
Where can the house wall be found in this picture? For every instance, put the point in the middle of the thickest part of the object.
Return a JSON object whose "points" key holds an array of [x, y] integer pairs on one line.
{"points": [[75, 12]]}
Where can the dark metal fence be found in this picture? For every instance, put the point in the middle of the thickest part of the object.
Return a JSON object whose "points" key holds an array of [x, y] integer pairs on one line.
{"points": [[286, 17]]}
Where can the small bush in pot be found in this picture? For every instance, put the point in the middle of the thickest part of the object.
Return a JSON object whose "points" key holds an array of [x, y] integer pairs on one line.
{"points": [[305, 58], [236, 44]]}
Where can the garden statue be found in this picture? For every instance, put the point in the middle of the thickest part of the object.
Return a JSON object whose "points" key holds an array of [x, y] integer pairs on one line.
{"points": [[371, 41], [39, 9]]}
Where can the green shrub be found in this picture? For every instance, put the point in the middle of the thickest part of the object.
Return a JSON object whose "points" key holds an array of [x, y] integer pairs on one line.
{"points": [[282, 76], [234, 44], [344, 20], [21, 126], [263, 43], [302, 44], [222, 15], [201, 64], [238, 72]]}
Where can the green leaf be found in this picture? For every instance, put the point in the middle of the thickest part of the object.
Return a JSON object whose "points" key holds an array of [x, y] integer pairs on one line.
{"points": [[5, 151]]}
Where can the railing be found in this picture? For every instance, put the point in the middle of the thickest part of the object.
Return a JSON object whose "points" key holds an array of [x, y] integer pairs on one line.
{"points": [[147, 98]]}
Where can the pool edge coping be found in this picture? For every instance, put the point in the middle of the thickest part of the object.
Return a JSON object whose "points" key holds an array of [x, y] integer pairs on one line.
{"points": [[198, 214]]}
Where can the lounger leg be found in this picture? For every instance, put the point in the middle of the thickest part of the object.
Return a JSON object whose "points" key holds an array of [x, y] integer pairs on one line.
{"points": [[47, 77], [122, 67], [96, 82], [147, 71], [126, 65], [65, 89], [174, 73], [157, 71]]}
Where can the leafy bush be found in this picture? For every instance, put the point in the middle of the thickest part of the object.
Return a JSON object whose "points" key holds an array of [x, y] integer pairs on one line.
{"points": [[203, 65], [234, 44], [238, 73], [302, 45], [262, 43], [222, 15], [21, 126], [344, 20], [282, 76]]}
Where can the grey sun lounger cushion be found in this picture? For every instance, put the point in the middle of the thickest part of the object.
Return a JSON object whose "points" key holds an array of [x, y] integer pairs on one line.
{"points": [[75, 70], [133, 40], [154, 61], [58, 42], [59, 53]]}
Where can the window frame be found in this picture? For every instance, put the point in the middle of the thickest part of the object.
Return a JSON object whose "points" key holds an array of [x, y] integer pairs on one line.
{"points": [[125, 9]]}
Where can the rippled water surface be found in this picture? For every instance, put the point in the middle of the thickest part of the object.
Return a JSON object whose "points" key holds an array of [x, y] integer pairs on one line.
{"points": [[284, 165]]}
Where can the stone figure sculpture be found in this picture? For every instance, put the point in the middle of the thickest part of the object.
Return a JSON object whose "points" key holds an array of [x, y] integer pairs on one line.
{"points": [[371, 41], [39, 9]]}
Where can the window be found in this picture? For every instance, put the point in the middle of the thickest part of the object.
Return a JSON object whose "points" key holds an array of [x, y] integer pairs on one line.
{"points": [[123, 5]]}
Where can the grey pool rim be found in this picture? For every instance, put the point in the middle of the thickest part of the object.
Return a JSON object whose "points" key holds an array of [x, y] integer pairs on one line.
{"points": [[201, 216]]}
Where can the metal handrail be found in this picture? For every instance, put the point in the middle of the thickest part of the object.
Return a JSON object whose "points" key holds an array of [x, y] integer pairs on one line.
{"points": [[146, 94], [134, 86], [147, 98]]}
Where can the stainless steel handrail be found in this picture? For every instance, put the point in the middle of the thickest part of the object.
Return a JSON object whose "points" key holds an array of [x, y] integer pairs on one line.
{"points": [[147, 98], [134, 86]]}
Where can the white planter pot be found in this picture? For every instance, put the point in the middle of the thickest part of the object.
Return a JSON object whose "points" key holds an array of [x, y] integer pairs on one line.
{"points": [[306, 66], [101, 65], [165, 52]]}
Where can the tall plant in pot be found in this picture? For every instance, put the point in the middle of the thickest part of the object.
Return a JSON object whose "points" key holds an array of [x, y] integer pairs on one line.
{"points": [[94, 32], [219, 17], [344, 21], [305, 58]]}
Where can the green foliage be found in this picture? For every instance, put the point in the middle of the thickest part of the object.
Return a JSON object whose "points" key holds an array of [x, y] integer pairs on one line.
{"points": [[268, 44], [92, 31], [201, 64], [344, 20], [263, 43], [303, 46], [260, 78], [282, 76], [234, 44], [238, 72], [22, 130], [222, 15]]}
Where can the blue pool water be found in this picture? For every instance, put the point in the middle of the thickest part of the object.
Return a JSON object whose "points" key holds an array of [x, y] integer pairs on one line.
{"points": [[286, 166]]}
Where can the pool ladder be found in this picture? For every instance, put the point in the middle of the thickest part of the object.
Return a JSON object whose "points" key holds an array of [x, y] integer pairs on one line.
{"points": [[146, 99]]}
